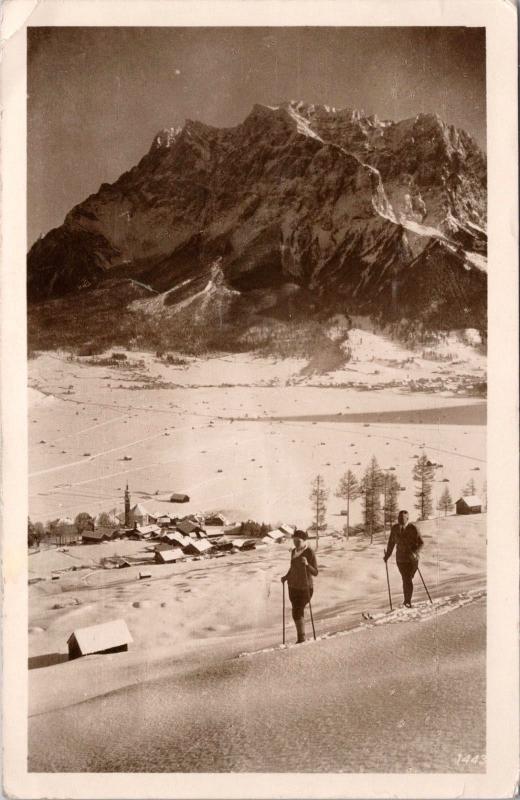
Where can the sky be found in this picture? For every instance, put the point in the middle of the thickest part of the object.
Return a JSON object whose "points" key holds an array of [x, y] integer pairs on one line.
{"points": [[97, 96]]}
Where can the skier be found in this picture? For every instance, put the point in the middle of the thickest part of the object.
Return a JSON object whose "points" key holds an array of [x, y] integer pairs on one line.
{"points": [[299, 579], [408, 540]]}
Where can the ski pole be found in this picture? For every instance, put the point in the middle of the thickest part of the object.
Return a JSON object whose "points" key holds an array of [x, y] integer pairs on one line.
{"points": [[425, 587], [388, 584], [310, 605], [283, 612]]}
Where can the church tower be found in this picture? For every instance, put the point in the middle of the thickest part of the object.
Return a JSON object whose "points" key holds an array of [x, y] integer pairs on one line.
{"points": [[127, 507]]}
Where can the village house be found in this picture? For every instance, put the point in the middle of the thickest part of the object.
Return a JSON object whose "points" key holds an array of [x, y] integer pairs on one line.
{"points": [[186, 526], [197, 547], [277, 535], [168, 556], [216, 519], [469, 505], [245, 544], [176, 539], [164, 520], [99, 535], [149, 531], [287, 529]]}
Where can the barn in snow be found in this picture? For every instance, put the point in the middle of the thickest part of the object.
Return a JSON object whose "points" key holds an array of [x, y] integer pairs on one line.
{"points": [[108, 637], [469, 505]]}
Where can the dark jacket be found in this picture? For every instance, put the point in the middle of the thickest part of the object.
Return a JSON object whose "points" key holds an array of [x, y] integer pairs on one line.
{"points": [[408, 541], [296, 576]]}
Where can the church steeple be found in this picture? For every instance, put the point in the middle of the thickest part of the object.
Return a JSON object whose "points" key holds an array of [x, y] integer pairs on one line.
{"points": [[127, 507]]}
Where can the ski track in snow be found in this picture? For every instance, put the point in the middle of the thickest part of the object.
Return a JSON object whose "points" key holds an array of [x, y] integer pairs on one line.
{"points": [[418, 613]]}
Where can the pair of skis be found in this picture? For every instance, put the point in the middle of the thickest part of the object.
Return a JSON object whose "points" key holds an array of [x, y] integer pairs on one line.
{"points": [[367, 615]]}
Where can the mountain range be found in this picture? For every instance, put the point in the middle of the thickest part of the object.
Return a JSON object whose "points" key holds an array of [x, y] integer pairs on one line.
{"points": [[300, 210]]}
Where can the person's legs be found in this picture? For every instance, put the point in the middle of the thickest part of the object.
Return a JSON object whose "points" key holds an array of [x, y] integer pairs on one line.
{"points": [[298, 600], [407, 570]]}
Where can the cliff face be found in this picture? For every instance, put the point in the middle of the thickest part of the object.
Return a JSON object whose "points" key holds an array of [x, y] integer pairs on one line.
{"points": [[343, 208]]}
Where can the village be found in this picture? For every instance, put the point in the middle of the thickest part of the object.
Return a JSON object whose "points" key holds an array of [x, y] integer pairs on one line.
{"points": [[173, 536]]}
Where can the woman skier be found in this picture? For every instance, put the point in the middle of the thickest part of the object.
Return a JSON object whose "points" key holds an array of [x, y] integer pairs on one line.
{"points": [[299, 579]]}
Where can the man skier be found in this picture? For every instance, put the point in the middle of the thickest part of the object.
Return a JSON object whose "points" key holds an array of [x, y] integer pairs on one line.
{"points": [[299, 578], [408, 540]]}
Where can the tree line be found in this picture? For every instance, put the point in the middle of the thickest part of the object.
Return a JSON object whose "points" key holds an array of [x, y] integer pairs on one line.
{"points": [[379, 491]]}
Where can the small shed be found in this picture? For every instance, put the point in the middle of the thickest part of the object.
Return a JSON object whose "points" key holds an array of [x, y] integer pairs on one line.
{"points": [[277, 535], [179, 498], [287, 529], [469, 505], [108, 637]]}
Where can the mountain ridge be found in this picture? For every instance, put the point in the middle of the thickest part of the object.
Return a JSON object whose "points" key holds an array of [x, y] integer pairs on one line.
{"points": [[340, 204]]}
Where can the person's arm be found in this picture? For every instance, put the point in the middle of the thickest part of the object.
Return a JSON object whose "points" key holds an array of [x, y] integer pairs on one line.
{"points": [[310, 562], [390, 546]]}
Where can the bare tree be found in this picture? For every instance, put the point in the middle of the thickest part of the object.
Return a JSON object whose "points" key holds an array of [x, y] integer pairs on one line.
{"points": [[348, 490], [84, 522], [445, 501], [104, 520], [318, 498], [423, 475]]}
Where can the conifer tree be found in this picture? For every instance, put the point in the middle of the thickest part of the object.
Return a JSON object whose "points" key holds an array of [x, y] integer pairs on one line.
{"points": [[371, 487], [318, 498], [348, 490], [469, 489], [423, 475], [445, 502], [391, 489]]}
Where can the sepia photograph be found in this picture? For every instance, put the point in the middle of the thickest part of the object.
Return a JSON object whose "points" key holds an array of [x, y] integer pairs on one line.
{"points": [[257, 399]]}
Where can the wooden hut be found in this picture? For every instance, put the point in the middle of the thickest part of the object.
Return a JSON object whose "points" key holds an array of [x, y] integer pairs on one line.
{"points": [[178, 497], [469, 505], [108, 637]]}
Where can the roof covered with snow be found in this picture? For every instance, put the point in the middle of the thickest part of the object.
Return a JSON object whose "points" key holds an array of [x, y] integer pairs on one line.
{"points": [[471, 500], [102, 637]]}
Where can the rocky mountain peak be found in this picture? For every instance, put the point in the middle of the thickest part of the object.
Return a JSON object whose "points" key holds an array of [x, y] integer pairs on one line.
{"points": [[327, 200], [165, 138]]}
